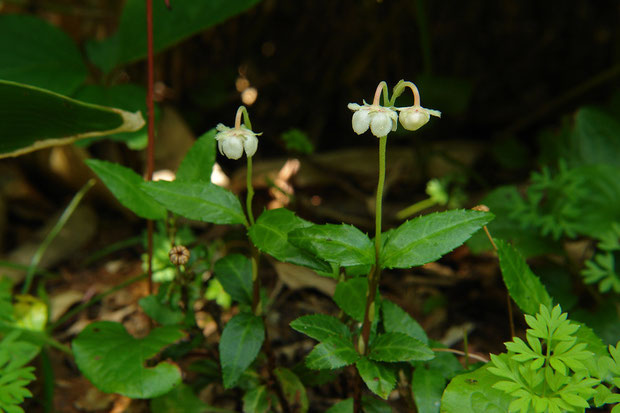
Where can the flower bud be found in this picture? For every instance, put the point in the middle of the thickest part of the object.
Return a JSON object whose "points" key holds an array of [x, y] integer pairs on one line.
{"points": [[414, 117], [233, 142]]}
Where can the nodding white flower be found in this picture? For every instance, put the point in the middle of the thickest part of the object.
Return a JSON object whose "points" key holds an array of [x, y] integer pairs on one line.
{"points": [[231, 142], [414, 117], [380, 119]]}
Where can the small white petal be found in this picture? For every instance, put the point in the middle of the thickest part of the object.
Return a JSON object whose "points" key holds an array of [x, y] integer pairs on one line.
{"points": [[232, 147], [221, 128], [353, 106], [380, 124], [250, 143], [361, 121], [413, 119]]}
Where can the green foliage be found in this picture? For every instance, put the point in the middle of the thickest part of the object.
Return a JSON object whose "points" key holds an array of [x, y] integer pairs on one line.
{"points": [[14, 377], [293, 389], [197, 164], [396, 347], [379, 377], [202, 201], [125, 185], [39, 54], [594, 139], [427, 238], [601, 268], [350, 296], [321, 327], [474, 393], [257, 400], [161, 311], [270, 235], [114, 361], [182, 399], [396, 320], [343, 245], [241, 341], [296, 140], [32, 118], [332, 353], [234, 272], [524, 287]]}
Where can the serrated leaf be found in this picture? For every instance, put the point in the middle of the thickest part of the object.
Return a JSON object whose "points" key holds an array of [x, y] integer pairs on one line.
{"points": [[474, 393], [396, 320], [320, 327], [202, 201], [343, 245], [125, 185], [396, 347], [350, 296], [256, 400], [524, 287], [241, 341], [32, 118], [270, 235], [293, 389], [198, 162], [427, 238], [379, 377], [114, 361], [234, 272], [332, 353]]}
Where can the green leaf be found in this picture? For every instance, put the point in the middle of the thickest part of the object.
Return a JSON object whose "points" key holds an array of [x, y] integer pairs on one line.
{"points": [[293, 389], [524, 287], [39, 54], [234, 272], [321, 327], [256, 400], [595, 138], [427, 238], [343, 245], [125, 184], [198, 162], [270, 235], [427, 387], [396, 320], [182, 399], [241, 341], [333, 353], [474, 393], [379, 377], [128, 44], [395, 347], [32, 118], [14, 377], [369, 405], [350, 296], [202, 201], [344, 406], [114, 361], [160, 312]]}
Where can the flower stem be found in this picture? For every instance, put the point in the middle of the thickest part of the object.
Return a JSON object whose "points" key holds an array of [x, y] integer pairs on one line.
{"points": [[250, 191], [381, 87], [246, 118], [416, 92]]}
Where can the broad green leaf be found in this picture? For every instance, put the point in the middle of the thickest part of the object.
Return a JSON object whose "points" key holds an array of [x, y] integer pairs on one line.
{"points": [[32, 118], [344, 406], [198, 162], [427, 387], [234, 272], [343, 245], [256, 400], [270, 235], [379, 377], [160, 312], [395, 347], [114, 361], [321, 327], [241, 341], [350, 296], [128, 97], [523, 286], [596, 138], [427, 238], [332, 353], [369, 405], [202, 201], [473, 393], [293, 389], [125, 184], [39, 54], [186, 18], [396, 320], [182, 399]]}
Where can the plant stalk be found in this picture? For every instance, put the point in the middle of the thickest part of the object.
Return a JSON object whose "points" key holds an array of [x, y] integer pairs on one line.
{"points": [[150, 152]]}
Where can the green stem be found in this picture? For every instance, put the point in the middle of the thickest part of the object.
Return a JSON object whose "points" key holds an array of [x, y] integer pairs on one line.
{"points": [[250, 191], [53, 233], [379, 200], [415, 208]]}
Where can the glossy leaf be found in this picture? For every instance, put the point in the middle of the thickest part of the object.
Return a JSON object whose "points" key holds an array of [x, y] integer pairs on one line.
{"points": [[473, 393], [39, 54], [114, 361], [270, 235], [379, 377], [128, 44], [523, 286], [427, 238], [234, 272], [395, 347], [397, 320], [256, 400], [202, 201], [32, 118], [321, 327], [333, 353], [293, 389], [241, 341], [199, 160], [343, 245], [125, 185], [350, 296]]}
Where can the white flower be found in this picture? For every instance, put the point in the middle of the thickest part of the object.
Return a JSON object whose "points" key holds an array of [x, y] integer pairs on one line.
{"points": [[380, 119], [231, 142], [414, 117]]}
